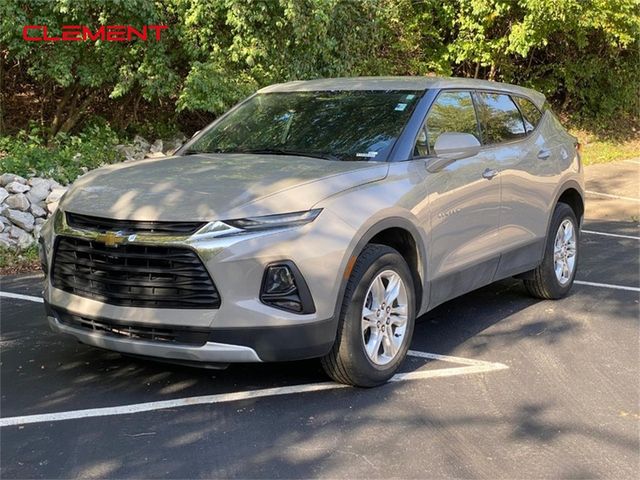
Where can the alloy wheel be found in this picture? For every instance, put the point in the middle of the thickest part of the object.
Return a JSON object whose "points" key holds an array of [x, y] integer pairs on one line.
{"points": [[384, 317], [564, 252]]}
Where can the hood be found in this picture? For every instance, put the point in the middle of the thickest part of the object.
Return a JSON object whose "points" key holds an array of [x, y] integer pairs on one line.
{"points": [[214, 187]]}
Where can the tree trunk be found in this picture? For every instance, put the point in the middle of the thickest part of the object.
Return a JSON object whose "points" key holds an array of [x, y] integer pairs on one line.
{"points": [[69, 93], [492, 72], [76, 113]]}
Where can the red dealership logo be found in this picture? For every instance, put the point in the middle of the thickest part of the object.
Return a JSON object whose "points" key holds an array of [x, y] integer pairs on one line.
{"points": [[80, 33]]}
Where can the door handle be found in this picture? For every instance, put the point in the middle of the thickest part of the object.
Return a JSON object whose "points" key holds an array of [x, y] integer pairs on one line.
{"points": [[544, 154], [489, 173]]}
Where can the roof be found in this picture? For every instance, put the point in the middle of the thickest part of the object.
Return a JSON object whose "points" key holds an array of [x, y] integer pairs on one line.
{"points": [[401, 83]]}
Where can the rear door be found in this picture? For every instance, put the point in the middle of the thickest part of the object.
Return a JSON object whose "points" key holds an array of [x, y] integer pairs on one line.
{"points": [[515, 137], [464, 204]]}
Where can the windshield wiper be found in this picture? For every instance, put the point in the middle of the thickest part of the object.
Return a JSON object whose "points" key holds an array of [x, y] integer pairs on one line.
{"points": [[203, 152], [282, 151]]}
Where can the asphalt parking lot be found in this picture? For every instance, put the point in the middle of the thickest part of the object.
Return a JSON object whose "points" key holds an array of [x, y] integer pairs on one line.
{"points": [[505, 387]]}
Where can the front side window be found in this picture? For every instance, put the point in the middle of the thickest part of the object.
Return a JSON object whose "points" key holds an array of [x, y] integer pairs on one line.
{"points": [[500, 118], [530, 113], [336, 125], [452, 111]]}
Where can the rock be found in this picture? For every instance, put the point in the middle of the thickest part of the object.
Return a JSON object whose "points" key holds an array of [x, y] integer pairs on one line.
{"points": [[36, 231], [5, 241], [2, 227], [56, 194], [33, 181], [130, 154], [5, 220], [23, 220], [39, 192], [7, 178], [141, 143], [3, 194], [154, 155], [40, 221], [179, 137], [156, 146], [38, 211], [21, 238], [18, 202], [53, 184], [17, 187], [52, 206]]}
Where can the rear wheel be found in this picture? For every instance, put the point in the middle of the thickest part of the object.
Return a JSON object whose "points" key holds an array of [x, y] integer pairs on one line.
{"points": [[554, 276], [376, 321]]}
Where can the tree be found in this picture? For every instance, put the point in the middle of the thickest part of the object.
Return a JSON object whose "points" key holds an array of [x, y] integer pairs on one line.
{"points": [[78, 74]]}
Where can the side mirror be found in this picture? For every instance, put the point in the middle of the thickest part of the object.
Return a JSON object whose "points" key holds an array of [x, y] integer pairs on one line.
{"points": [[452, 146]]}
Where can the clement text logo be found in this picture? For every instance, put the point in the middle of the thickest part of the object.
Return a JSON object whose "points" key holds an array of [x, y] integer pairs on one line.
{"points": [[80, 33]]}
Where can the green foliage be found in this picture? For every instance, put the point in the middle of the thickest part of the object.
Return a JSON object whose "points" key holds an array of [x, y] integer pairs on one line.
{"points": [[241, 46], [116, 66], [64, 159], [18, 261], [582, 54]]}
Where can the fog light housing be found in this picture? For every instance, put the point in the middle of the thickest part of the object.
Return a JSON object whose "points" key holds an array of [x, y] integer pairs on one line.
{"points": [[284, 287]]}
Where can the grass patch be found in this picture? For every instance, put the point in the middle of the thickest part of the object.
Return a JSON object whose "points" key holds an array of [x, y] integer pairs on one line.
{"points": [[12, 261], [601, 150]]}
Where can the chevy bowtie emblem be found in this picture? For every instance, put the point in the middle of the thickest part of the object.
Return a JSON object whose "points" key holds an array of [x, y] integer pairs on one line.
{"points": [[113, 239]]}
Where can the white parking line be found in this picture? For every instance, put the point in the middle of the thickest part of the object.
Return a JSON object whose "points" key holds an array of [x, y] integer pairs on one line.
{"points": [[633, 160], [607, 285], [592, 232], [618, 197], [472, 366], [21, 297]]}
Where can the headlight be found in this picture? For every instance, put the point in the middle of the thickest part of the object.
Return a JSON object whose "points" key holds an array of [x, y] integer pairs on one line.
{"points": [[275, 221], [254, 224]]}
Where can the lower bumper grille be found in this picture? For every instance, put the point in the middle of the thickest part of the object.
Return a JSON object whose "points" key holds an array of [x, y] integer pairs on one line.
{"points": [[133, 275], [136, 332]]}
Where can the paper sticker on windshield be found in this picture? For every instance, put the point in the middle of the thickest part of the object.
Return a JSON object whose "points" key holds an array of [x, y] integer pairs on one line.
{"points": [[367, 154], [410, 96], [400, 107]]}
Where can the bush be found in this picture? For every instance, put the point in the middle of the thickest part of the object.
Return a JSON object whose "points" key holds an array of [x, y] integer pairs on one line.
{"points": [[64, 159]]}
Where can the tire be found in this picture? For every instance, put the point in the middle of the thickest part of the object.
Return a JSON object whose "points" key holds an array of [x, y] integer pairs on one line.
{"points": [[543, 282], [348, 361]]}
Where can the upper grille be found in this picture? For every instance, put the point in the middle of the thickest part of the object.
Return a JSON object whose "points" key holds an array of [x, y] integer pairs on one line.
{"points": [[133, 275], [109, 224]]}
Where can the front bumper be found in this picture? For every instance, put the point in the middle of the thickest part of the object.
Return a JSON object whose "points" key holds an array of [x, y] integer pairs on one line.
{"points": [[243, 329], [239, 345]]}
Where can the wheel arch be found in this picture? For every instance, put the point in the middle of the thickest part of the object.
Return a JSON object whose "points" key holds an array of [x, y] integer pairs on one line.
{"points": [[402, 235], [571, 196], [570, 191]]}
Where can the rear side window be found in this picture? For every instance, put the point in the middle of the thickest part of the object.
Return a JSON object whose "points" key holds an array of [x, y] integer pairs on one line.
{"points": [[451, 112], [530, 112], [500, 118]]}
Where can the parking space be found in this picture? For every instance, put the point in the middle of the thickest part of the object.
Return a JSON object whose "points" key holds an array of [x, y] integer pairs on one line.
{"points": [[554, 392]]}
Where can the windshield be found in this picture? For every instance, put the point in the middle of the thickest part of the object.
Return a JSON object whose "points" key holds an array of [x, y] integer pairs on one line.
{"points": [[341, 125]]}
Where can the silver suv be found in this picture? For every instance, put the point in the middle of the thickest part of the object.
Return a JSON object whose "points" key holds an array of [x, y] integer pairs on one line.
{"points": [[318, 219]]}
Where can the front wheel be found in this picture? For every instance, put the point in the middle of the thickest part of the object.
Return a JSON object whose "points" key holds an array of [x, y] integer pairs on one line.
{"points": [[376, 321], [554, 276]]}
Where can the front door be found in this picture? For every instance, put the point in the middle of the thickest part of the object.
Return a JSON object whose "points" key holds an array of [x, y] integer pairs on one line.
{"points": [[464, 204]]}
